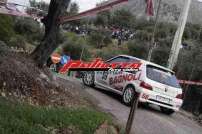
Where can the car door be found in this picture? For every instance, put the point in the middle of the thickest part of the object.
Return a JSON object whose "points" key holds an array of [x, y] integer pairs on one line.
{"points": [[120, 78], [104, 78]]}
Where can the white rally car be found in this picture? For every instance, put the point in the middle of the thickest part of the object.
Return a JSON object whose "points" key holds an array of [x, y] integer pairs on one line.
{"points": [[156, 84]]}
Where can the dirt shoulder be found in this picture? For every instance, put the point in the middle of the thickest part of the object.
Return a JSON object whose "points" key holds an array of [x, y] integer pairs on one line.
{"points": [[34, 100], [22, 80]]}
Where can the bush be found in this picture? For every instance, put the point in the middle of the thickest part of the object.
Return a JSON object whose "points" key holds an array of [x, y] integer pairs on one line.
{"points": [[140, 24], [165, 42], [123, 18], [138, 48], [161, 33], [107, 40], [17, 41], [96, 39], [74, 46], [3, 48], [143, 35], [6, 28], [111, 51], [160, 55], [99, 39], [29, 28], [103, 18]]}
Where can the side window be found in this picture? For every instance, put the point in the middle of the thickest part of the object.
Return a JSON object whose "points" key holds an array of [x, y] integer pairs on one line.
{"points": [[119, 59], [134, 60]]}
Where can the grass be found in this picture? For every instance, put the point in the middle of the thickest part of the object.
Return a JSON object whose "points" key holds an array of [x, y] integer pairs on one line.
{"points": [[17, 118]]}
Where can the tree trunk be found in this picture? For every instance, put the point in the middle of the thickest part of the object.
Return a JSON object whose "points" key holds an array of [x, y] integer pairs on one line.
{"points": [[52, 25]]}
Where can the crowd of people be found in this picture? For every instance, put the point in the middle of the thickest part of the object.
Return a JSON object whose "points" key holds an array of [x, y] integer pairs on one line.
{"points": [[123, 34], [81, 30], [119, 34]]}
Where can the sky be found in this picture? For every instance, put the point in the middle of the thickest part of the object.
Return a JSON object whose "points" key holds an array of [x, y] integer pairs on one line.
{"points": [[86, 4], [83, 4]]}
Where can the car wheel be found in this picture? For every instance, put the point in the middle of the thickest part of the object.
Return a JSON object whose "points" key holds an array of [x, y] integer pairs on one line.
{"points": [[128, 95], [167, 111], [88, 78]]}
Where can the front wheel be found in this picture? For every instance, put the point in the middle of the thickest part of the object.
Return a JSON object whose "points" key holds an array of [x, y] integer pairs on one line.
{"points": [[88, 78], [167, 111], [128, 95]]}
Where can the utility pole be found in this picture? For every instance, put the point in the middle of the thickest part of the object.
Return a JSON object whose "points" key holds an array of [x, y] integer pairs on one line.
{"points": [[178, 36], [153, 43]]}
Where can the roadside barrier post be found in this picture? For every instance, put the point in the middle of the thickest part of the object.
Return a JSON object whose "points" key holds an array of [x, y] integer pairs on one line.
{"points": [[132, 114]]}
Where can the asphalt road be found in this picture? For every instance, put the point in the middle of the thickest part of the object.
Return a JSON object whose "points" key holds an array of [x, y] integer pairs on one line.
{"points": [[148, 120]]}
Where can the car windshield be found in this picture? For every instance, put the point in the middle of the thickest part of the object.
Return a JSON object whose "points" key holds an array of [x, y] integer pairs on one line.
{"points": [[162, 76]]}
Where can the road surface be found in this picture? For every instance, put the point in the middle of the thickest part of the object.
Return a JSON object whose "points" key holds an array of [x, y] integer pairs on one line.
{"points": [[147, 120]]}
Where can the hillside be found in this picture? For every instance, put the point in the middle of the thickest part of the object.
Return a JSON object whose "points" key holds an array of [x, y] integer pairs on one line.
{"points": [[170, 9]]}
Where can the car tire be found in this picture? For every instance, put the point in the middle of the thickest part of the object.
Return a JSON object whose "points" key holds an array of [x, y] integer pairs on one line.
{"points": [[88, 79], [128, 95], [167, 111]]}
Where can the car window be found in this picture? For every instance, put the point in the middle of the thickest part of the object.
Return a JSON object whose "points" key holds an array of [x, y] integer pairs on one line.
{"points": [[162, 76], [119, 59], [134, 60]]}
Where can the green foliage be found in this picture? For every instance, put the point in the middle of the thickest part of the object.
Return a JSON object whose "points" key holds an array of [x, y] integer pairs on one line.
{"points": [[74, 45], [29, 28], [143, 35], [107, 40], [142, 24], [165, 30], [160, 55], [74, 8], [96, 39], [190, 58], [192, 31], [163, 37], [40, 5], [16, 32], [6, 28], [16, 118], [17, 41], [111, 51], [123, 18], [3, 48], [161, 33], [138, 48], [189, 68], [99, 39], [103, 18], [43, 6]]}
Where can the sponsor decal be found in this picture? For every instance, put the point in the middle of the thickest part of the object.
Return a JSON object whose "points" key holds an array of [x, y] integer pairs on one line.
{"points": [[97, 65], [145, 96], [105, 75], [122, 78], [65, 59]]}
